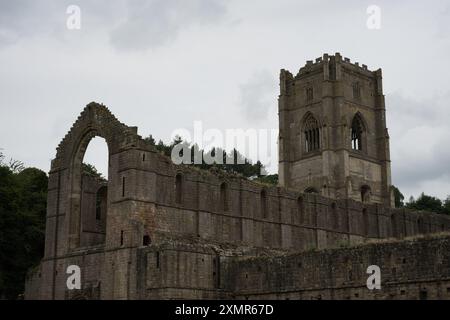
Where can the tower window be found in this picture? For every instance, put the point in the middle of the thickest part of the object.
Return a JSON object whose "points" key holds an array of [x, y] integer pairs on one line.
{"points": [[311, 134], [309, 94], [365, 194], [146, 240], [357, 133], [356, 90]]}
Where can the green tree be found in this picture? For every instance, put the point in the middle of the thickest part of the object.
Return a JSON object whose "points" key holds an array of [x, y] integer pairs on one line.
{"points": [[271, 179], [446, 205], [92, 171], [426, 203], [23, 197], [398, 197], [15, 165], [240, 164]]}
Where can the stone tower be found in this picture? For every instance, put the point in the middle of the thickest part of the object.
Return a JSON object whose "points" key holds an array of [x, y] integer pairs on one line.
{"points": [[333, 137]]}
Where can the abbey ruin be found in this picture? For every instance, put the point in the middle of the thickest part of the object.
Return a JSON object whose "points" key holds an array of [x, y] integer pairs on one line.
{"points": [[156, 230]]}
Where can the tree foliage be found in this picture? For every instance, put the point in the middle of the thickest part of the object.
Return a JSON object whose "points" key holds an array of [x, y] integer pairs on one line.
{"points": [[398, 197], [92, 171], [23, 202], [271, 179], [233, 162], [429, 203]]}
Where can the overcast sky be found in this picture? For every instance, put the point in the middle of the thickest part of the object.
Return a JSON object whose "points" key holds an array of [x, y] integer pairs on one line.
{"points": [[163, 64]]}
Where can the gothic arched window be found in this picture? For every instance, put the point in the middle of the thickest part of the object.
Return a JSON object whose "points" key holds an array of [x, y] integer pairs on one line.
{"points": [[357, 133], [311, 134]]}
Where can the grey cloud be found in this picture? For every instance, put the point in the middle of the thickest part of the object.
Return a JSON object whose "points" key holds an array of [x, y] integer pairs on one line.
{"points": [[415, 112], [21, 18], [443, 23], [151, 24], [420, 140], [257, 95]]}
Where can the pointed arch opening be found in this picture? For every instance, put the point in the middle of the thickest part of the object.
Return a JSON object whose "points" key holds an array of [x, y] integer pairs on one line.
{"points": [[77, 191], [89, 205], [358, 133], [311, 134]]}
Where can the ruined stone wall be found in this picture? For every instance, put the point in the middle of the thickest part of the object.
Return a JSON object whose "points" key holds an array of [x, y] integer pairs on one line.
{"points": [[181, 271], [416, 269], [410, 269], [93, 223], [282, 219], [145, 201]]}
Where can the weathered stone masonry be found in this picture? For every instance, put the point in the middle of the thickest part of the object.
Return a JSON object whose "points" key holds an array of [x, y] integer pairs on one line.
{"points": [[168, 231], [414, 269], [333, 135]]}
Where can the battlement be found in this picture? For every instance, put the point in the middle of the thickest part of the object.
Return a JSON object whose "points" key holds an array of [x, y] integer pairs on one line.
{"points": [[337, 58], [347, 61]]}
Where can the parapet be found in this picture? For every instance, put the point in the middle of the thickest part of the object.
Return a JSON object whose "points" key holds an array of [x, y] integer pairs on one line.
{"points": [[318, 63]]}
